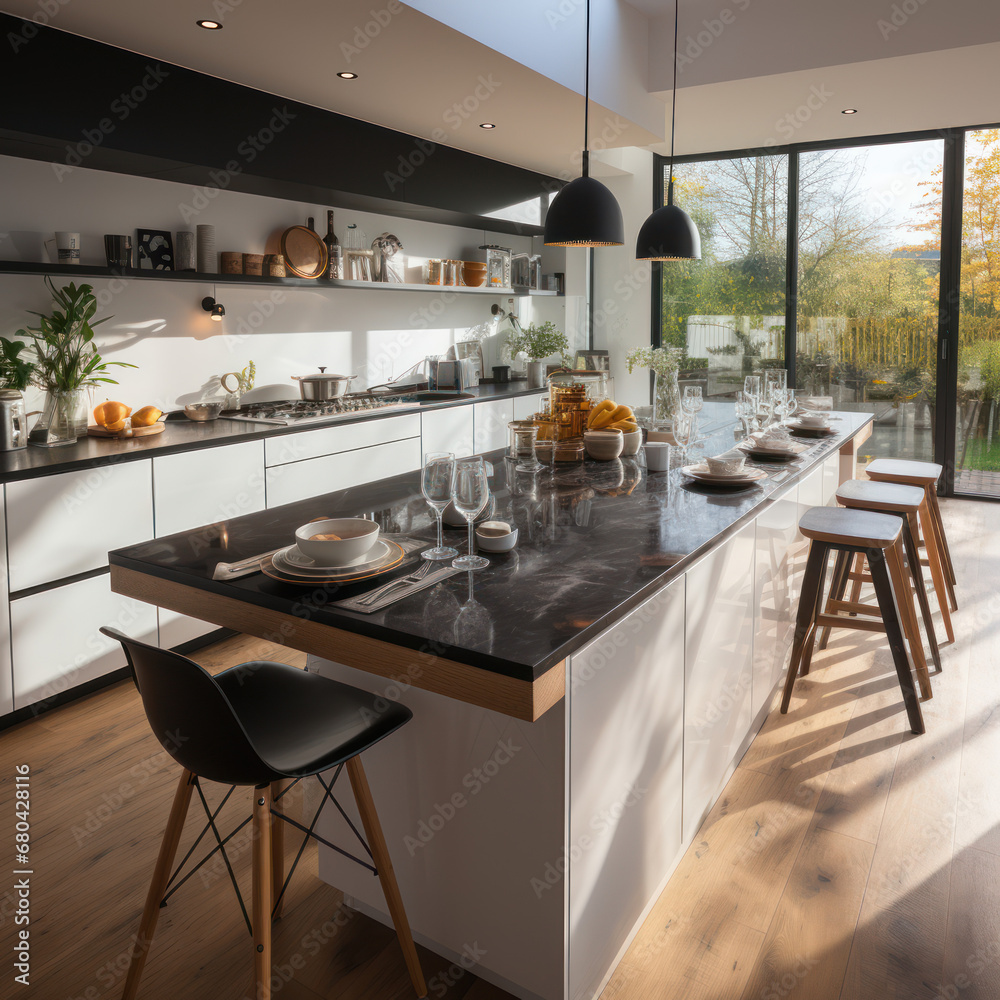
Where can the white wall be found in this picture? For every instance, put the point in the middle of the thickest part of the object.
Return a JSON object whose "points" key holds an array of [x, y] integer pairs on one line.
{"points": [[621, 283], [160, 326]]}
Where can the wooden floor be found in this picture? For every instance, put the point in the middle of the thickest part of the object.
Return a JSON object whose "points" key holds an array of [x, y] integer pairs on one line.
{"points": [[846, 859]]}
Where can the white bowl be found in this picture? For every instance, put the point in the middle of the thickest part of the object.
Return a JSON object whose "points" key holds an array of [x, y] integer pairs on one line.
{"points": [[726, 465], [357, 536], [632, 442], [814, 420], [603, 445], [496, 543]]}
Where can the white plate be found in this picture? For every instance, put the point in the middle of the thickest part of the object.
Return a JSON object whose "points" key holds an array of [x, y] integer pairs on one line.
{"points": [[793, 448], [798, 425], [701, 472], [293, 560]]}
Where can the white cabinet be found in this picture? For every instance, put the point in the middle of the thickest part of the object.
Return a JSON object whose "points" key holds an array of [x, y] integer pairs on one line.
{"points": [[6, 675], [287, 448], [718, 643], [300, 480], [524, 406], [831, 479], [203, 487], [491, 419], [447, 429], [775, 562], [626, 717], [56, 644], [61, 525]]}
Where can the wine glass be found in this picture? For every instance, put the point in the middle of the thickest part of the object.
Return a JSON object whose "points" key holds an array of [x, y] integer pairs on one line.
{"points": [[470, 494], [691, 405], [751, 386], [684, 431], [745, 411], [436, 483]]}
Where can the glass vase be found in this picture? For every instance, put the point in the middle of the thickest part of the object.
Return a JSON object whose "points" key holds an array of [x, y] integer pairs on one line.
{"points": [[63, 419], [666, 400]]}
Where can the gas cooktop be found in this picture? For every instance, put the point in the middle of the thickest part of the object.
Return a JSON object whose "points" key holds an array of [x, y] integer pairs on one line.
{"points": [[284, 413]]}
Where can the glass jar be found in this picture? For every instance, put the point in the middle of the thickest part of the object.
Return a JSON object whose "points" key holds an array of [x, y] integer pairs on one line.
{"points": [[519, 269], [435, 271], [497, 266]]}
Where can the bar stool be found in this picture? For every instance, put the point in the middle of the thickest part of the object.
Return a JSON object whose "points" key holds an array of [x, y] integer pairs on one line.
{"points": [[925, 475], [258, 724], [878, 538], [883, 498]]}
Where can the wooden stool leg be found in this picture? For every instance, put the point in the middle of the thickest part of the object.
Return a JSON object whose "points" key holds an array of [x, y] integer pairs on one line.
{"points": [[380, 854], [157, 887], [917, 573], [277, 852], [838, 584], [937, 568], [810, 644], [261, 914], [859, 565], [907, 614], [812, 586], [942, 541], [887, 602]]}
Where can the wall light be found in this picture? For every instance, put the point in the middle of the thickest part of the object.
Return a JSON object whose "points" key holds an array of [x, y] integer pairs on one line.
{"points": [[487, 125], [210, 25], [348, 76], [217, 309], [849, 111]]}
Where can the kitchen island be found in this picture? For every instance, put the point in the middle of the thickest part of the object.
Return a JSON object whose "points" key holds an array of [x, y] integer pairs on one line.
{"points": [[578, 705]]}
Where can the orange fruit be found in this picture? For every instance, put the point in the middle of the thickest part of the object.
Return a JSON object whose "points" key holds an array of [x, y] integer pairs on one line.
{"points": [[110, 412], [118, 425], [146, 417]]}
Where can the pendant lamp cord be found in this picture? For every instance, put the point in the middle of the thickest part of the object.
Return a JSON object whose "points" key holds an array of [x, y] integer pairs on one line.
{"points": [[586, 101], [673, 111]]}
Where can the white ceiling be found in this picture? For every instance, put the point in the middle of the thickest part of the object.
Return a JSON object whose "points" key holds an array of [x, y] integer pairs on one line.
{"points": [[753, 64]]}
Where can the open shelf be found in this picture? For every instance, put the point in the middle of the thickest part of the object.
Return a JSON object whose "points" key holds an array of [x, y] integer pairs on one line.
{"points": [[97, 271]]}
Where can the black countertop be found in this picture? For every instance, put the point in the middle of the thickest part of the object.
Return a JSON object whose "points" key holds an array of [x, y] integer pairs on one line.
{"points": [[188, 435], [595, 540]]}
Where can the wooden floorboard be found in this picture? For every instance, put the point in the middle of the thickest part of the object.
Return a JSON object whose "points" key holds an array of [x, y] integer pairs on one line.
{"points": [[845, 859]]}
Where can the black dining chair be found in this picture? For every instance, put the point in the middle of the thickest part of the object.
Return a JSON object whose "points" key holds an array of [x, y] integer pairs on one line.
{"points": [[260, 723]]}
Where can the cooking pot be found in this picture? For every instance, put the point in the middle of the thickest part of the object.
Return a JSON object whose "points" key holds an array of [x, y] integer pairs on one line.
{"points": [[319, 388]]}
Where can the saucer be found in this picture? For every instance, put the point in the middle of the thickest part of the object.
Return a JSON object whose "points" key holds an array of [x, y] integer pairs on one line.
{"points": [[743, 478], [291, 563]]}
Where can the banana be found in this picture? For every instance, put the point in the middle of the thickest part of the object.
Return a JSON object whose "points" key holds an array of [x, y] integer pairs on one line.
{"points": [[606, 405], [621, 412], [626, 426], [603, 419]]}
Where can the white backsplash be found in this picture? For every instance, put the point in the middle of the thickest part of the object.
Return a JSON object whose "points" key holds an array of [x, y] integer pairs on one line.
{"points": [[160, 326]]}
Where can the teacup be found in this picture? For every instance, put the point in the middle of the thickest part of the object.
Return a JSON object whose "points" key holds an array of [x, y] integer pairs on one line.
{"points": [[726, 465]]}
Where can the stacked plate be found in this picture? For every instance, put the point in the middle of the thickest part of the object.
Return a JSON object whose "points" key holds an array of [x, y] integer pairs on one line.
{"points": [[290, 565], [738, 480], [769, 450], [812, 428]]}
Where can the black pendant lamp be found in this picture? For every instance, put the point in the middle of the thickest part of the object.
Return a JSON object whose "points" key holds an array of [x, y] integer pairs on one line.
{"points": [[584, 213], [669, 233]]}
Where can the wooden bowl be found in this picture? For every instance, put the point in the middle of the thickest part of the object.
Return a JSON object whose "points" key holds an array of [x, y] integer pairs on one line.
{"points": [[473, 273]]}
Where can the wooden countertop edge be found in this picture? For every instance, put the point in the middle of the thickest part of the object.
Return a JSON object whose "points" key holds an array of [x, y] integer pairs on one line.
{"points": [[520, 699]]}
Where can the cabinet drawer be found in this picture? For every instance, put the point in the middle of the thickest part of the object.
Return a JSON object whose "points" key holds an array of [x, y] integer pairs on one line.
{"points": [[65, 524], [449, 429], [491, 421], [344, 437], [202, 487], [55, 641], [524, 406], [301, 480]]}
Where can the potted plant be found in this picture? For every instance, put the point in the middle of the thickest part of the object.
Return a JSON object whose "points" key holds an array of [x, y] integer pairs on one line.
{"points": [[664, 362], [537, 342], [66, 363], [15, 372]]}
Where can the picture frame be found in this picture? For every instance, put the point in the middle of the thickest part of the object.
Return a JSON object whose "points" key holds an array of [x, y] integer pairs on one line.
{"points": [[155, 249], [592, 361]]}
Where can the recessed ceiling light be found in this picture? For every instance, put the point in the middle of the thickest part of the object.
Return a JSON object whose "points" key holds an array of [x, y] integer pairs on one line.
{"points": [[348, 76], [210, 25], [487, 125], [849, 111]]}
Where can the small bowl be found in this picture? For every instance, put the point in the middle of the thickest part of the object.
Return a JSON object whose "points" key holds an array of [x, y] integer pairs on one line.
{"points": [[357, 536], [495, 543], [603, 445], [632, 442], [657, 456], [203, 411], [726, 465], [814, 420], [473, 273]]}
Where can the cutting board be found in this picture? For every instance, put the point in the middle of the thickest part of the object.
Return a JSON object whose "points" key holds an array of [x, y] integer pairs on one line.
{"points": [[103, 432]]}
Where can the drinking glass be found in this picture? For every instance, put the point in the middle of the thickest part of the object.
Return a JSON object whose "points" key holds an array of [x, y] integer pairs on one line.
{"points": [[745, 411], [436, 483], [470, 494], [684, 432], [752, 387], [691, 405]]}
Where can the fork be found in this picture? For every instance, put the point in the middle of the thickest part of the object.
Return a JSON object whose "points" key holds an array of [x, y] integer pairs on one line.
{"points": [[415, 577]]}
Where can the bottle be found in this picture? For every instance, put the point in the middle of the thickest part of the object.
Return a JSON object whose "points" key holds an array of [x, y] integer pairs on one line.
{"points": [[334, 251]]}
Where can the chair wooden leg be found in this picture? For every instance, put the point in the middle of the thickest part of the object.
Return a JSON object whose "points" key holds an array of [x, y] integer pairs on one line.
{"points": [[380, 854], [859, 565], [942, 540], [890, 618], [277, 852], [158, 885], [917, 573], [261, 913], [838, 585], [810, 643], [907, 614], [936, 566], [812, 586]]}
